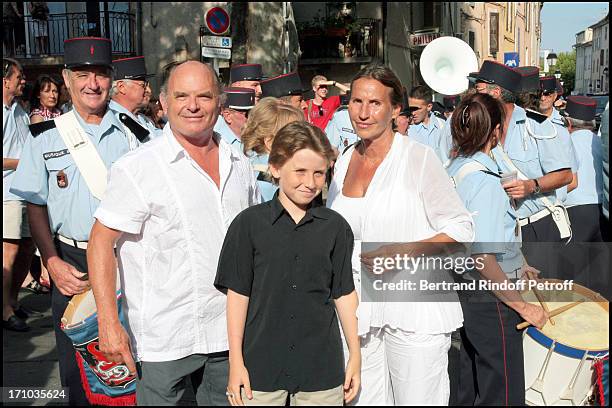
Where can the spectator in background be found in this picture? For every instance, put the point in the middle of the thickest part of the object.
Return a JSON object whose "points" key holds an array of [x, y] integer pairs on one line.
{"points": [[44, 99], [320, 109], [154, 113], [64, 103], [17, 245], [40, 27]]}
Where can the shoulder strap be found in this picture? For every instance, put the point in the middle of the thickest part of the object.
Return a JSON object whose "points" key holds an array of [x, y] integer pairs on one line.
{"points": [[137, 130], [40, 127], [84, 153], [466, 169]]}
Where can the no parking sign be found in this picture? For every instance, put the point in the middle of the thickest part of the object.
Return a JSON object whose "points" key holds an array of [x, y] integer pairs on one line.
{"points": [[217, 20]]}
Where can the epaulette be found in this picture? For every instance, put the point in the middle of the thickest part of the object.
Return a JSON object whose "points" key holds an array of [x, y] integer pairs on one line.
{"points": [[559, 122], [537, 116], [40, 127], [141, 133]]}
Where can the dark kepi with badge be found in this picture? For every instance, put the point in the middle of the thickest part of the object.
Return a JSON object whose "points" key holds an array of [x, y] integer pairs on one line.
{"points": [[131, 68], [282, 85], [548, 84], [87, 51], [242, 99], [581, 108], [492, 72], [246, 72], [530, 79]]}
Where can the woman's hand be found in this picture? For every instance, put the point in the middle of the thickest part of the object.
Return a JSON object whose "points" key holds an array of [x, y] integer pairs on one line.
{"points": [[352, 378], [238, 377]]}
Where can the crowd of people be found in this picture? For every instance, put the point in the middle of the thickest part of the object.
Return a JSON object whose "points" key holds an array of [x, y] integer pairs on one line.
{"points": [[219, 227]]}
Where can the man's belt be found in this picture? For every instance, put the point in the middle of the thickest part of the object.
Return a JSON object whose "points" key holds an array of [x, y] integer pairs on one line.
{"points": [[73, 243], [535, 217]]}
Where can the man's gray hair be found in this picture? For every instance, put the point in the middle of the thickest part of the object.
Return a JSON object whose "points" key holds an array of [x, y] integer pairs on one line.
{"points": [[506, 95], [68, 72], [169, 69], [114, 90], [579, 124], [9, 65]]}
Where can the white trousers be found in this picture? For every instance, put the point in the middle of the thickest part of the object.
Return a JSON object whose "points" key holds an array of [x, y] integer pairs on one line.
{"points": [[403, 368]]}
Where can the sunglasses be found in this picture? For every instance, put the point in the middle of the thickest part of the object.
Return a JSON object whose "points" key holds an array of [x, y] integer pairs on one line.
{"points": [[547, 93], [322, 87], [320, 110]]}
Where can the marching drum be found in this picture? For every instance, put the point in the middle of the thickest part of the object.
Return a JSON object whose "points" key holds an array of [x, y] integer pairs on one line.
{"points": [[105, 382], [561, 359]]}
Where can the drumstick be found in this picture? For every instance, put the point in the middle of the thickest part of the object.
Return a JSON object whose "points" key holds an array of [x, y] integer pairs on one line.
{"points": [[553, 313], [541, 299]]}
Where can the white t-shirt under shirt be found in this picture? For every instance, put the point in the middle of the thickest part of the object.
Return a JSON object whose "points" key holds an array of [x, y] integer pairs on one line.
{"points": [[174, 219]]}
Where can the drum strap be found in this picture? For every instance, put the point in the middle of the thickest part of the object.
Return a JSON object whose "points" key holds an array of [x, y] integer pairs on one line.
{"points": [[557, 211], [83, 152]]}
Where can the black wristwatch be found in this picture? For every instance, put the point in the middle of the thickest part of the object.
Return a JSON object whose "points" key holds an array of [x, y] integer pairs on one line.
{"points": [[537, 189]]}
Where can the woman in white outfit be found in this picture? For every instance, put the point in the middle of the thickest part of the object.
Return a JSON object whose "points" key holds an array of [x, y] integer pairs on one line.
{"points": [[392, 189]]}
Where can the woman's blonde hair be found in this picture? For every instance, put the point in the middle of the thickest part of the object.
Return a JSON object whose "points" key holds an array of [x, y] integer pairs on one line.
{"points": [[265, 119]]}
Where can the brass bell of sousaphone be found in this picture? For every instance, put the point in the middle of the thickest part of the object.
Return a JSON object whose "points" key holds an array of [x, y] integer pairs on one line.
{"points": [[445, 64]]}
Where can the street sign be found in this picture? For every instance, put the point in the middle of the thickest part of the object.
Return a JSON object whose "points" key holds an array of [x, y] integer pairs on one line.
{"points": [[214, 41], [511, 59], [423, 38], [222, 53], [217, 20]]}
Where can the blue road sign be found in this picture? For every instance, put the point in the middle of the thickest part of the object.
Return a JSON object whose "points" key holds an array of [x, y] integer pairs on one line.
{"points": [[511, 59]]}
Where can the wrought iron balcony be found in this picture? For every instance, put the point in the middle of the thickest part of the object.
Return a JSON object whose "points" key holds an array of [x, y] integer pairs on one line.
{"points": [[355, 42], [32, 38]]}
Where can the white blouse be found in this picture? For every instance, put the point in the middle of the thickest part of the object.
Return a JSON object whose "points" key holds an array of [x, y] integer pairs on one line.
{"points": [[410, 198]]}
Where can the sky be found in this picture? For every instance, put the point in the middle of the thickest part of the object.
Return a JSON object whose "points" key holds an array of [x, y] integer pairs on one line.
{"points": [[561, 22]]}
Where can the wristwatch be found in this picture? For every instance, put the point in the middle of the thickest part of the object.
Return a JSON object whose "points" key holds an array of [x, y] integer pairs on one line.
{"points": [[537, 188]]}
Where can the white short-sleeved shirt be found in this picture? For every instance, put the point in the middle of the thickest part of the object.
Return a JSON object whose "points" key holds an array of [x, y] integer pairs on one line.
{"points": [[174, 220]]}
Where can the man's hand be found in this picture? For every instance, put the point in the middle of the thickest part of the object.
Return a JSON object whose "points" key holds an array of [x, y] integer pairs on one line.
{"points": [[115, 345], [352, 378], [66, 277], [533, 314], [519, 189], [238, 377]]}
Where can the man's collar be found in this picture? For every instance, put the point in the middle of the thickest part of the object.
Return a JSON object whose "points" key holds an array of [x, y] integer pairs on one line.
{"points": [[108, 121], [117, 107], [315, 210], [176, 150]]}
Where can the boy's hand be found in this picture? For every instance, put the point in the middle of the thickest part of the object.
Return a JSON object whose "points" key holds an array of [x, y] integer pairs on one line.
{"points": [[238, 377], [352, 378]]}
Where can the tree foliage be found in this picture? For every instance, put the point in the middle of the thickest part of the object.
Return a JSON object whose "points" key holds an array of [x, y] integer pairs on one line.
{"points": [[566, 63]]}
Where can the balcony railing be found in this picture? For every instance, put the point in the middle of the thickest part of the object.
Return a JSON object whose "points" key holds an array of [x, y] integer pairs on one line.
{"points": [[31, 38], [359, 41]]}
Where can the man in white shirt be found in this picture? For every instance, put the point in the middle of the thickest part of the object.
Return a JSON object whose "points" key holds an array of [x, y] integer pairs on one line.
{"points": [[167, 207]]}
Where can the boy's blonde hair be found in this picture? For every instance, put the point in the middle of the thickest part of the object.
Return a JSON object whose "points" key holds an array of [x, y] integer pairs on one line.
{"points": [[265, 119]]}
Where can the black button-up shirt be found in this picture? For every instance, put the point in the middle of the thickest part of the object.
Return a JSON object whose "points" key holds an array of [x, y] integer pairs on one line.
{"points": [[291, 272]]}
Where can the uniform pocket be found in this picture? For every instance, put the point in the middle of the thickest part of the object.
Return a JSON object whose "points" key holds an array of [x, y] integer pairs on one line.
{"points": [[61, 173]]}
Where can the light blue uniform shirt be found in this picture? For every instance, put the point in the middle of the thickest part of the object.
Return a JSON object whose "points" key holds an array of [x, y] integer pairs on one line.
{"points": [[445, 143], [590, 169], [118, 108], [428, 134], [564, 135], [604, 130], [228, 134], [340, 130], [15, 132], [535, 151], [266, 188], [494, 218], [154, 131], [70, 208]]}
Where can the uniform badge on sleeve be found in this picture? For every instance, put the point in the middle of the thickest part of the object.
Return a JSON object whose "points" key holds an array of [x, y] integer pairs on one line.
{"points": [[62, 179], [345, 142]]}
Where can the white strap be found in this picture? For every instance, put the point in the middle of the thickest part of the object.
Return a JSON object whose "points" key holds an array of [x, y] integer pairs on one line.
{"points": [[541, 137], [557, 211], [545, 201], [83, 153], [467, 168]]}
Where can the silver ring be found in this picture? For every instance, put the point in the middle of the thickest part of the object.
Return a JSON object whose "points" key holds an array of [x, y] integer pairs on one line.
{"points": [[229, 394]]}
